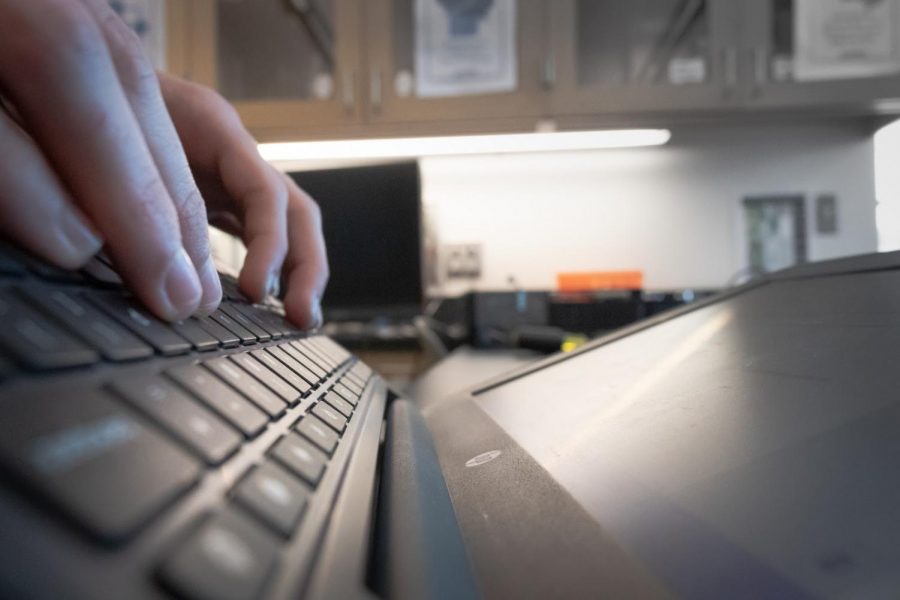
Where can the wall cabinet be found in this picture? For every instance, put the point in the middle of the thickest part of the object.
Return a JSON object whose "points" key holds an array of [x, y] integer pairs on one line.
{"points": [[337, 68]]}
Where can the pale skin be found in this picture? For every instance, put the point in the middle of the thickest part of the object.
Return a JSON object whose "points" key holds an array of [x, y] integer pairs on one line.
{"points": [[97, 150]]}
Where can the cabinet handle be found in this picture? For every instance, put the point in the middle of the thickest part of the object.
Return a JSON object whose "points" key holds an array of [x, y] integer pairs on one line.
{"points": [[760, 66], [548, 76], [375, 90], [348, 95], [730, 60]]}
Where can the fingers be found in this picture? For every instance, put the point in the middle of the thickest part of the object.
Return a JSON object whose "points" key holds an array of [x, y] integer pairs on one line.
{"points": [[306, 267], [56, 68], [37, 212], [141, 86], [242, 182]]}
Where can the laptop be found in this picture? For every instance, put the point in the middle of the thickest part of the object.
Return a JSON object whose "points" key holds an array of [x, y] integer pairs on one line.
{"points": [[741, 447]]}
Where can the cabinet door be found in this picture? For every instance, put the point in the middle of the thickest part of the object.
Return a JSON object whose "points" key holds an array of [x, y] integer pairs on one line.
{"points": [[289, 66], [395, 94], [632, 56], [837, 60]]}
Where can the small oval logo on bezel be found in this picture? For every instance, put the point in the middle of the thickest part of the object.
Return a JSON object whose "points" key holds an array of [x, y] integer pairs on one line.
{"points": [[484, 457]]}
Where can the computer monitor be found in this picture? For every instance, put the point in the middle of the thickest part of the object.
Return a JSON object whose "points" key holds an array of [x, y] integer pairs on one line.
{"points": [[372, 220]]}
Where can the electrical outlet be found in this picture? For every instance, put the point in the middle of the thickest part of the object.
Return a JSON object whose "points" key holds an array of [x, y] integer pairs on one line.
{"points": [[463, 261]]}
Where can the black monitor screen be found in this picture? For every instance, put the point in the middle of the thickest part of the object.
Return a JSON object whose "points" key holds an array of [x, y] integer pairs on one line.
{"points": [[371, 217]]}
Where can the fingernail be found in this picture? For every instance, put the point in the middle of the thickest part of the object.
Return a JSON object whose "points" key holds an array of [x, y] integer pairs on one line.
{"points": [[317, 314], [273, 286], [182, 287], [79, 240], [212, 289]]}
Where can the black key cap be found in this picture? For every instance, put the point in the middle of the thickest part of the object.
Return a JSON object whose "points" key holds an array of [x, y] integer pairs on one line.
{"points": [[346, 394], [310, 349], [221, 398], [301, 457], [318, 433], [7, 369], [234, 327], [293, 365], [153, 331], [51, 272], [274, 496], [262, 374], [261, 334], [304, 359], [338, 403], [199, 429], [348, 383], [334, 419], [36, 341], [228, 557], [258, 316], [327, 362], [9, 264], [199, 338], [225, 337], [247, 385], [282, 371], [231, 290], [277, 320], [100, 331], [93, 460], [100, 272]]}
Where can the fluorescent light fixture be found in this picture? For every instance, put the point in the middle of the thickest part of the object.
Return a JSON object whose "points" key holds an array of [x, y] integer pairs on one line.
{"points": [[463, 144]]}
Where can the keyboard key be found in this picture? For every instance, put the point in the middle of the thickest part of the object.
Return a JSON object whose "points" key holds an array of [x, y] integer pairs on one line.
{"points": [[234, 327], [330, 348], [102, 332], [198, 428], [225, 337], [276, 366], [153, 331], [305, 359], [241, 381], [93, 460], [199, 338], [258, 316], [318, 433], [317, 363], [262, 374], [9, 264], [274, 496], [100, 272], [36, 341], [228, 557], [324, 359], [301, 457], [231, 290], [346, 394], [292, 363], [354, 388], [261, 334], [334, 419], [339, 404], [221, 398]]}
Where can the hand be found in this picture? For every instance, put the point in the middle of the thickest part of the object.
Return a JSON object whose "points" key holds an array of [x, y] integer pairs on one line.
{"points": [[278, 222], [92, 157]]}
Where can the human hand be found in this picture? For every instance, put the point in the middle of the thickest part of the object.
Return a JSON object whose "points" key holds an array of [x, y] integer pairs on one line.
{"points": [[245, 196], [92, 157]]}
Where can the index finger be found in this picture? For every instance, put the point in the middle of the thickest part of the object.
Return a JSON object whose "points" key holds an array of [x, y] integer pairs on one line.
{"points": [[306, 266], [57, 69]]}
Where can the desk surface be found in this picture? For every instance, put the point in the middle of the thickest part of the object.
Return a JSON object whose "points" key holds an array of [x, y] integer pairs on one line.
{"points": [[464, 368]]}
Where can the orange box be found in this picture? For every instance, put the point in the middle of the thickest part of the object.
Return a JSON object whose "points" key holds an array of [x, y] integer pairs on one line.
{"points": [[589, 281]]}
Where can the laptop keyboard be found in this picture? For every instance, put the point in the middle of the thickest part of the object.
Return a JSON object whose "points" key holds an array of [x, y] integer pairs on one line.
{"points": [[197, 456]]}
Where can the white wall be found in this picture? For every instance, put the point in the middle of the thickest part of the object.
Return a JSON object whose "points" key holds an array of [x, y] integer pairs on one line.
{"points": [[672, 211]]}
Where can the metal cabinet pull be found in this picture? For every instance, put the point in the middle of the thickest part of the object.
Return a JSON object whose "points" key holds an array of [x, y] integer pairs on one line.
{"points": [[548, 75], [760, 66], [375, 95], [348, 94], [730, 64]]}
